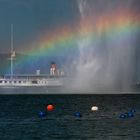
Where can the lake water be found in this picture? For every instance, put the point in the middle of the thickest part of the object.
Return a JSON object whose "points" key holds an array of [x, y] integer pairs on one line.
{"points": [[19, 119]]}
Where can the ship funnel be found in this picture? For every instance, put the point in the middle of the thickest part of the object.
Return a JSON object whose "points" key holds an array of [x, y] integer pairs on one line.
{"points": [[53, 69], [37, 72]]}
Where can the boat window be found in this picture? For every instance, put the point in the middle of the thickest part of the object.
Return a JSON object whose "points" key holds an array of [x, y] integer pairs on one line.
{"points": [[34, 82]]}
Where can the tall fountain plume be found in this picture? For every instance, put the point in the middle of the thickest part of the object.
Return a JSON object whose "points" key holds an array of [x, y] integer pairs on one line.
{"points": [[106, 45]]}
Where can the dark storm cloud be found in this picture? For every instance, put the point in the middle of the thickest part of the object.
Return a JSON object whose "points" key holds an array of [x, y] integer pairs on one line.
{"points": [[31, 17]]}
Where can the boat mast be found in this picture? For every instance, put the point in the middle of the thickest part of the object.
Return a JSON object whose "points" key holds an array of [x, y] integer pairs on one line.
{"points": [[12, 51], [138, 66]]}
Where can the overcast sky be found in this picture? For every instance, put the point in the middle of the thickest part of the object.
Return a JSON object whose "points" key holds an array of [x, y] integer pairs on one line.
{"points": [[31, 17]]}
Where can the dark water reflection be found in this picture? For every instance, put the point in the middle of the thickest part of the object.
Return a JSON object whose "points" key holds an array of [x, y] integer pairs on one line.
{"points": [[19, 117]]}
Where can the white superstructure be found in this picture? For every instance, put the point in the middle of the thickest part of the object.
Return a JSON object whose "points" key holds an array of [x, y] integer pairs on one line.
{"points": [[30, 81], [34, 80]]}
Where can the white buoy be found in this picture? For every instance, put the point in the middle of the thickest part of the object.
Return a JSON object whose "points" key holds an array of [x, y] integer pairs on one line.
{"points": [[94, 108]]}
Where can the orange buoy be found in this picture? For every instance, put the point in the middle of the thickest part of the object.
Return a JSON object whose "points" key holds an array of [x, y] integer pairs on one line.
{"points": [[50, 107]]}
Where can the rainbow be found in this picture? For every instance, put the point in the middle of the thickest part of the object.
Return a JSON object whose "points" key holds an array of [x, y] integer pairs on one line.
{"points": [[61, 41]]}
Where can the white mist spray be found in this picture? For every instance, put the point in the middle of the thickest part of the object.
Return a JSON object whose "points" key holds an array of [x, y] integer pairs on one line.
{"points": [[104, 64]]}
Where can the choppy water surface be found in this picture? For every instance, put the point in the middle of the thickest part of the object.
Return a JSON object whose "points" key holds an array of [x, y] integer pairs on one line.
{"points": [[19, 118]]}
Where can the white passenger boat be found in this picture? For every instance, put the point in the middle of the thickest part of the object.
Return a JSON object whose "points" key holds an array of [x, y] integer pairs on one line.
{"points": [[38, 80]]}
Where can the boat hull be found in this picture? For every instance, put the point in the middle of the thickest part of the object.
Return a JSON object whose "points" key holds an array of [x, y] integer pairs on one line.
{"points": [[30, 85], [30, 89]]}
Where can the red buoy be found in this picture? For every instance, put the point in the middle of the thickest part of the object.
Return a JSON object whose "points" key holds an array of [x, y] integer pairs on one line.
{"points": [[50, 107]]}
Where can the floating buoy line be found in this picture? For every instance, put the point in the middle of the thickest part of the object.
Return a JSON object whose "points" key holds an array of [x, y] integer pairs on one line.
{"points": [[49, 108]]}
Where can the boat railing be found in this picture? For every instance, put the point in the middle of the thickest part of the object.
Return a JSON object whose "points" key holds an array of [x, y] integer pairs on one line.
{"points": [[30, 76]]}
